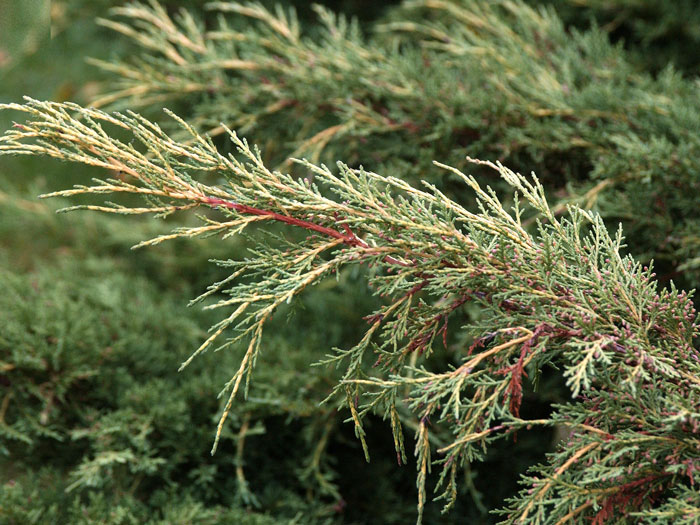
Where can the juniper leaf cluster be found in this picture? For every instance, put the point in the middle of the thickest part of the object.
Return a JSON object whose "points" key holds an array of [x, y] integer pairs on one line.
{"points": [[439, 80], [562, 296]]}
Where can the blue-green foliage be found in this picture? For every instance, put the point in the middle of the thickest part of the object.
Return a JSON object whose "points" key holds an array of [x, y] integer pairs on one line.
{"points": [[97, 426]]}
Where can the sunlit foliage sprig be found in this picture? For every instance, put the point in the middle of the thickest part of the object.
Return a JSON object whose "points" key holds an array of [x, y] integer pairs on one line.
{"points": [[563, 297]]}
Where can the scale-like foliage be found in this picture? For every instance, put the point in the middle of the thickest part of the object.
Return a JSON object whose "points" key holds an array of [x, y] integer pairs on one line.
{"points": [[561, 297], [440, 79]]}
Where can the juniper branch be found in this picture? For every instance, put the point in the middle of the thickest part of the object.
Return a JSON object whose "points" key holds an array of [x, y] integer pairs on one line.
{"points": [[440, 79], [562, 296]]}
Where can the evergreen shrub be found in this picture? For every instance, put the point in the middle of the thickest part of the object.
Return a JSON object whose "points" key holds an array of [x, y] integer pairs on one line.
{"points": [[494, 334]]}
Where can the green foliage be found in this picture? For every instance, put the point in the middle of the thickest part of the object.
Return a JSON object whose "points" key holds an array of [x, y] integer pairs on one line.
{"points": [[79, 329], [439, 80], [540, 298], [483, 319], [24, 26], [19, 500], [655, 32], [89, 364]]}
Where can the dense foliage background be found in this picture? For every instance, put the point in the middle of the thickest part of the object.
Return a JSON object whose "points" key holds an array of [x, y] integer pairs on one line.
{"points": [[97, 425]]}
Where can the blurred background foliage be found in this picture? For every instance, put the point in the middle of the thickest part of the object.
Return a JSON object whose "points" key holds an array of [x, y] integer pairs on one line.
{"points": [[24, 27], [97, 425]]}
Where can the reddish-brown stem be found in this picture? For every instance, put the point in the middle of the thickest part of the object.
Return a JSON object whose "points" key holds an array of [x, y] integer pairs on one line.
{"points": [[348, 238]]}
